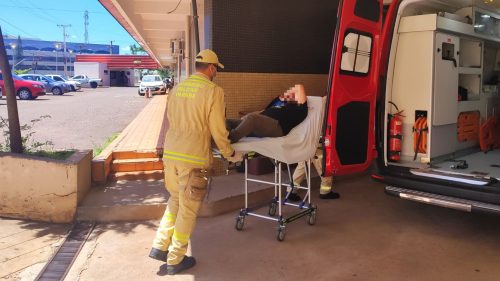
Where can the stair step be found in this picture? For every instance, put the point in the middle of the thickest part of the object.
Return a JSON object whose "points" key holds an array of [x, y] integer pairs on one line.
{"points": [[136, 165], [142, 175], [137, 160], [134, 154]]}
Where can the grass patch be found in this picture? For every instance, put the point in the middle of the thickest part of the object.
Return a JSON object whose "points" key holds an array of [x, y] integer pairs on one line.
{"points": [[58, 155], [109, 140]]}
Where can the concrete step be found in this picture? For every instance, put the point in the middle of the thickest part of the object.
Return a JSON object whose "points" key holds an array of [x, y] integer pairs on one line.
{"points": [[141, 175], [146, 200], [136, 165], [134, 154]]}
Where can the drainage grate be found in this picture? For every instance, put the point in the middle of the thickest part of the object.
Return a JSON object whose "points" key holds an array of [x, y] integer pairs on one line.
{"points": [[57, 268]]}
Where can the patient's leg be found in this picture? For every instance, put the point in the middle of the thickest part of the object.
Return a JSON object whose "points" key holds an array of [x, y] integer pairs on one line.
{"points": [[258, 125], [232, 124]]}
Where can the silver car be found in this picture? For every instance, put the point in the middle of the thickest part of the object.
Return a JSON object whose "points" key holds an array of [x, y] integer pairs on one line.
{"points": [[56, 88], [75, 85]]}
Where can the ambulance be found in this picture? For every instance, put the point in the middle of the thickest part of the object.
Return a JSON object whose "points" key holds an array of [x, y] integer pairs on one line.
{"points": [[414, 89]]}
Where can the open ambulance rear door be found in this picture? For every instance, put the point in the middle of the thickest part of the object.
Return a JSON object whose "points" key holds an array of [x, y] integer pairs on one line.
{"points": [[349, 128]]}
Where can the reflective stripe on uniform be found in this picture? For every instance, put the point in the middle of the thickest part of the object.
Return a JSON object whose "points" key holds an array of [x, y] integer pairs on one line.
{"points": [[169, 217], [325, 188], [183, 157], [181, 237]]}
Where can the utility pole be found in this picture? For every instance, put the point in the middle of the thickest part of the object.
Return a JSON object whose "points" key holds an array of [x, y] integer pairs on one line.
{"points": [[86, 23], [16, 144], [64, 52], [195, 24], [111, 47]]}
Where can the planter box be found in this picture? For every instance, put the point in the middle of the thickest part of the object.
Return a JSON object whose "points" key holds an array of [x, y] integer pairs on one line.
{"points": [[43, 189]]}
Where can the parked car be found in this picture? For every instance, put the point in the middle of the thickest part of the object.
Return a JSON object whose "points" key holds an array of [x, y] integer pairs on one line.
{"points": [[87, 82], [56, 88], [26, 90], [75, 85], [153, 83]]}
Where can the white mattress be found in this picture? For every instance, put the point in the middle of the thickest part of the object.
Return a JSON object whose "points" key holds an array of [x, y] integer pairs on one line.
{"points": [[299, 145]]}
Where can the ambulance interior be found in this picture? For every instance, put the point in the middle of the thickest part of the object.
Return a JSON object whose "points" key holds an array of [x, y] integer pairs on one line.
{"points": [[443, 75]]}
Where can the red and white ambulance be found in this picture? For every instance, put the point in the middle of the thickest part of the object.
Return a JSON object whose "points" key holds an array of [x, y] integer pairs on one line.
{"points": [[414, 87]]}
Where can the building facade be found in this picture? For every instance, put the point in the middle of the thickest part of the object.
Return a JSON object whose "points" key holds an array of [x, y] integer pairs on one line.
{"points": [[48, 57]]}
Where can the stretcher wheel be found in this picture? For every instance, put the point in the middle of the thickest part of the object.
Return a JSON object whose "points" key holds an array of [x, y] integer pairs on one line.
{"points": [[272, 209], [281, 234], [311, 218], [240, 222]]}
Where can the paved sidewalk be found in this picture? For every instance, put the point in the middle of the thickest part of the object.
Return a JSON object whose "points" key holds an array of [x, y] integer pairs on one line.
{"points": [[26, 246], [366, 235]]}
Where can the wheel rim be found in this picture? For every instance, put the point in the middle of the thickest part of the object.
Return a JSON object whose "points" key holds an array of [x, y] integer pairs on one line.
{"points": [[56, 91], [24, 94]]}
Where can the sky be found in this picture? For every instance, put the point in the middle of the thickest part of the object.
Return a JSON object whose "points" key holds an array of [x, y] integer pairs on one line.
{"points": [[39, 19]]}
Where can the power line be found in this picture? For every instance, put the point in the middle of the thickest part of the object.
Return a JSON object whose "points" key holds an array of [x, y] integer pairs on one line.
{"points": [[49, 9], [15, 27]]}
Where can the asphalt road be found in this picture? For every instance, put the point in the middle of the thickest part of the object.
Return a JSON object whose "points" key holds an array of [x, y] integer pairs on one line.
{"points": [[80, 120]]}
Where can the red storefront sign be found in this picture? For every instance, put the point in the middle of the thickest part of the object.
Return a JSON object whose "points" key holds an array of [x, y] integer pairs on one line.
{"points": [[120, 61]]}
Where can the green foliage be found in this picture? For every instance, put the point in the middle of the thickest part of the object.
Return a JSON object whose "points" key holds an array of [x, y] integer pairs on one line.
{"points": [[22, 71], [109, 140], [136, 50], [30, 145]]}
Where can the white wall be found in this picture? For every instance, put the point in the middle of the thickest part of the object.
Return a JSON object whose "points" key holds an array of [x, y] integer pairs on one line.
{"points": [[93, 70]]}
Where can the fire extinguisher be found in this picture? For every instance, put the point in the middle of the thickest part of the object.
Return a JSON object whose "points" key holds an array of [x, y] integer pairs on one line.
{"points": [[395, 134]]}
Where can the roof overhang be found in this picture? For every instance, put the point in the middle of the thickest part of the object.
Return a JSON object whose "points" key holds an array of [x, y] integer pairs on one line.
{"points": [[153, 24]]}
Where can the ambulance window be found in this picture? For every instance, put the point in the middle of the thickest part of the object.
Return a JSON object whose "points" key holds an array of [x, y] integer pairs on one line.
{"points": [[356, 54], [368, 9]]}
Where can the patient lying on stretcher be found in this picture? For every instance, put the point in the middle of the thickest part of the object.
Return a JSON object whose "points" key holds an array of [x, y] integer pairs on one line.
{"points": [[283, 113]]}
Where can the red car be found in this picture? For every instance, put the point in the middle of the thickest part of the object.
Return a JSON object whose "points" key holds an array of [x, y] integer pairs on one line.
{"points": [[26, 90]]}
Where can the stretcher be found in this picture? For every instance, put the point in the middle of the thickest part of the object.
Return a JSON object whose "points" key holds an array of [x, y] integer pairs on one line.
{"points": [[299, 145]]}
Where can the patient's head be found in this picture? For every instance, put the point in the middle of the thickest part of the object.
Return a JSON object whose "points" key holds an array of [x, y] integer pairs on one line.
{"points": [[294, 94]]}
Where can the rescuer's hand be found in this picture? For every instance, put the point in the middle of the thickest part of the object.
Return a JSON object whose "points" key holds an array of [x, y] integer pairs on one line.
{"points": [[237, 157]]}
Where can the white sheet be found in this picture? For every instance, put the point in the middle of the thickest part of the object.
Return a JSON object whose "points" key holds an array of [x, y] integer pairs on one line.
{"points": [[299, 145]]}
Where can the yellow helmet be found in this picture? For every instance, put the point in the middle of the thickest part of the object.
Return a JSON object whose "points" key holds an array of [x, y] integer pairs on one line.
{"points": [[208, 56]]}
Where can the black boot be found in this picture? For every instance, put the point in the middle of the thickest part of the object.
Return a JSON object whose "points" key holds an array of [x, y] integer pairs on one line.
{"points": [[158, 254], [186, 263], [330, 195]]}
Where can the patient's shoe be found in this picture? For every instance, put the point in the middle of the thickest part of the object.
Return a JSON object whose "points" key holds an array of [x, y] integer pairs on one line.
{"points": [[186, 263], [330, 195]]}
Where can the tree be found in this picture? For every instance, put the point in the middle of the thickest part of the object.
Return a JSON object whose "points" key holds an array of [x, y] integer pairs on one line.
{"points": [[15, 139], [135, 50]]}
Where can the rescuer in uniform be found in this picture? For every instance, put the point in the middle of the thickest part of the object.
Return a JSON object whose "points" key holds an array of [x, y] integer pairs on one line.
{"points": [[196, 114]]}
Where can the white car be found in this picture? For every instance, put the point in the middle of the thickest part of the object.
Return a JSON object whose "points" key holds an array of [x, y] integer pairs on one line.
{"points": [[75, 85], [153, 83]]}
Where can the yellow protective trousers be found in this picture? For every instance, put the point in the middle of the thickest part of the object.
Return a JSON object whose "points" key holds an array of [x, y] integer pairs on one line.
{"points": [[299, 174], [187, 187]]}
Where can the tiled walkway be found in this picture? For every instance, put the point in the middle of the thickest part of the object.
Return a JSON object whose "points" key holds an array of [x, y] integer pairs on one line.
{"points": [[146, 132]]}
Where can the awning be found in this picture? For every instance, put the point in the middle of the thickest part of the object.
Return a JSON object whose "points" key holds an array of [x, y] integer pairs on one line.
{"points": [[154, 23]]}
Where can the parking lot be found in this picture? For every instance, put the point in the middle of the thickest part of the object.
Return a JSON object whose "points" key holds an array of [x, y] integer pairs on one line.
{"points": [[82, 119]]}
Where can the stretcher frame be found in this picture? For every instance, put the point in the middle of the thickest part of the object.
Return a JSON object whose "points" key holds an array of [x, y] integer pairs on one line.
{"points": [[278, 201]]}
